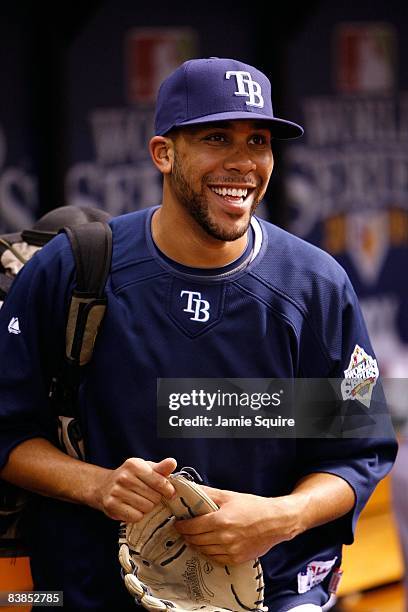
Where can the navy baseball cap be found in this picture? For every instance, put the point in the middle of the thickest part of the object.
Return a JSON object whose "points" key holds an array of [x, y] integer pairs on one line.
{"points": [[218, 89]]}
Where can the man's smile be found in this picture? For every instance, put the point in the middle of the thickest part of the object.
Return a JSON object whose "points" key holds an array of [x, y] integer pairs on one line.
{"points": [[234, 196]]}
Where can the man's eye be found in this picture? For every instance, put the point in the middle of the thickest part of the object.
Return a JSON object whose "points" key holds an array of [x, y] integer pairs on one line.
{"points": [[215, 138], [258, 139]]}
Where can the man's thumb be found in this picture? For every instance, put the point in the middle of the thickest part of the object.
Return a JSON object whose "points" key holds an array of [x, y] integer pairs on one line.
{"points": [[165, 467]]}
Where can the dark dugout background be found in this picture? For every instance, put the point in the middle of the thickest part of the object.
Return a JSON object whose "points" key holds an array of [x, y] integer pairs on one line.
{"points": [[76, 107], [78, 98], [67, 114]]}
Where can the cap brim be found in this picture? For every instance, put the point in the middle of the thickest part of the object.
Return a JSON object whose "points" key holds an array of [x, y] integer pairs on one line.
{"points": [[280, 128]]}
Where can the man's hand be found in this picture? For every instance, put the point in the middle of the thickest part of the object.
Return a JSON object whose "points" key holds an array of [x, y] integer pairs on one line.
{"points": [[245, 526], [134, 488], [124, 494]]}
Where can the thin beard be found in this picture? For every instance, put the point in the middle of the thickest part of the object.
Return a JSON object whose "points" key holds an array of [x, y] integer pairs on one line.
{"points": [[197, 207]]}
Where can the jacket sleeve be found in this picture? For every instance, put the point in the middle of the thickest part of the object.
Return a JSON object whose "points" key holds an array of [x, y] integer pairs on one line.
{"points": [[32, 331], [358, 443]]}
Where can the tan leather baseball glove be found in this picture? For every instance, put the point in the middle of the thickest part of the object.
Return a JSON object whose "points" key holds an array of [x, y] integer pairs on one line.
{"points": [[162, 572]]}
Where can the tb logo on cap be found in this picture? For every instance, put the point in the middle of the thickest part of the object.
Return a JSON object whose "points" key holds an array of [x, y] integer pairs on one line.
{"points": [[247, 87]]}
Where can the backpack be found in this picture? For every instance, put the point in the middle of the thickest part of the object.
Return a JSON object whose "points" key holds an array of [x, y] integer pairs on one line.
{"points": [[16, 249], [91, 244]]}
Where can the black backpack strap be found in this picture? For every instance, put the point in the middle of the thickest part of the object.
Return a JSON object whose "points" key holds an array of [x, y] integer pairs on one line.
{"points": [[92, 248]]}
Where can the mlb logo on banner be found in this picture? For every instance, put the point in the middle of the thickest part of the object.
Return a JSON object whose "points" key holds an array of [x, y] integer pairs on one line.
{"points": [[365, 57], [151, 55]]}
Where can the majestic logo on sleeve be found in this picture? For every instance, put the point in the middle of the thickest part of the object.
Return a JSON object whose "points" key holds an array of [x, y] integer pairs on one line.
{"points": [[247, 87], [360, 377], [199, 308], [14, 326]]}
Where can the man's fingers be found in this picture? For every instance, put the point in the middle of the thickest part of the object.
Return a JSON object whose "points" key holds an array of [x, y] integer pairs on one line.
{"points": [[146, 472], [120, 511], [211, 549], [196, 525], [137, 501], [141, 488], [161, 471], [217, 495], [202, 539]]}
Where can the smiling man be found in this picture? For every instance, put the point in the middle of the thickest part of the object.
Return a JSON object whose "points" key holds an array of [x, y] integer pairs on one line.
{"points": [[215, 175], [199, 288]]}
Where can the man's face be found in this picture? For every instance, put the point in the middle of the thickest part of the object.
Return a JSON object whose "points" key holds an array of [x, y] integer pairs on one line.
{"points": [[220, 174]]}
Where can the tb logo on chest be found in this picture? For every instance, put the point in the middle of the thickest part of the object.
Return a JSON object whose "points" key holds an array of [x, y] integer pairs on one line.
{"points": [[199, 308], [195, 307]]}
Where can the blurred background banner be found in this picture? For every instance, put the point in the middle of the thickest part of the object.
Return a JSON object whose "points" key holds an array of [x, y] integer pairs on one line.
{"points": [[114, 68], [78, 93], [18, 175], [347, 179], [111, 165]]}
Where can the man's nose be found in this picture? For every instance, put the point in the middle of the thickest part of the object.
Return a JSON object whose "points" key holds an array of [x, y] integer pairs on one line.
{"points": [[240, 160]]}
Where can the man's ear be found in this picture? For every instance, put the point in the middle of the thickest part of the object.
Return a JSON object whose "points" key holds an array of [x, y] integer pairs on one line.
{"points": [[162, 153]]}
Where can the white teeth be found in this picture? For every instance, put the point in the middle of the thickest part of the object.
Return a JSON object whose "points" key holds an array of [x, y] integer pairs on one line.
{"points": [[236, 193]]}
